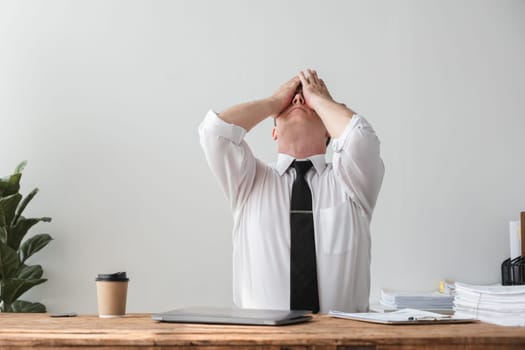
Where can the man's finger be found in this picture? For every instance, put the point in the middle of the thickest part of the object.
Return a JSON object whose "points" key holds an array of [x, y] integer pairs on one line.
{"points": [[314, 75], [308, 75], [303, 78]]}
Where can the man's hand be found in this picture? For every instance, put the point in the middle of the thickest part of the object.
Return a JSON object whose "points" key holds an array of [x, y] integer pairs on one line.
{"points": [[249, 114], [284, 95], [335, 116], [314, 89]]}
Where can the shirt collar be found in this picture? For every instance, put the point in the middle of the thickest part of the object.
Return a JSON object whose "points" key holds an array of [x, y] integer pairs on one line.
{"points": [[284, 161]]}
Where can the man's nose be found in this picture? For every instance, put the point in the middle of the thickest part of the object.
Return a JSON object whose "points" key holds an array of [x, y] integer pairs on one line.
{"points": [[298, 99]]}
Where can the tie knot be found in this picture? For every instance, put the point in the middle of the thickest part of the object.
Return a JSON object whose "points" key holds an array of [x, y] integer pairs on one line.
{"points": [[302, 166]]}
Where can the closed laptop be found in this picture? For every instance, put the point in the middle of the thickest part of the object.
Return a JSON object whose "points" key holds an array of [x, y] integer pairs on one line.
{"points": [[234, 316]]}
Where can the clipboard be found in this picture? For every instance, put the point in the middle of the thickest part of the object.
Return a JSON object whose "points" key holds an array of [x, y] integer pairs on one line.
{"points": [[402, 317]]}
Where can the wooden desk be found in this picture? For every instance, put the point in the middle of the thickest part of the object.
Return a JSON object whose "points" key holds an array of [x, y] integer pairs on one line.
{"points": [[22, 331]]}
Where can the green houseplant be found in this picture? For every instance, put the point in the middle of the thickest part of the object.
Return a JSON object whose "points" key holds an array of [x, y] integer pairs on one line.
{"points": [[16, 276]]}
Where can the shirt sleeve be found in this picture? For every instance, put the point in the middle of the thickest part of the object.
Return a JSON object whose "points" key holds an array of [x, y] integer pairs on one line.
{"points": [[357, 162], [229, 157]]}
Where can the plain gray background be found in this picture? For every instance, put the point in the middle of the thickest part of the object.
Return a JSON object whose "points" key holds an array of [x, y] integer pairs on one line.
{"points": [[103, 98]]}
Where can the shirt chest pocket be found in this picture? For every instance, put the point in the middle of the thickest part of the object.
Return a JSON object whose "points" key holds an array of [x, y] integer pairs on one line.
{"points": [[335, 229]]}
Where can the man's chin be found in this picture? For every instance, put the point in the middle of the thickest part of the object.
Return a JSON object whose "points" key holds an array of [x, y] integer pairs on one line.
{"points": [[300, 111], [297, 114]]}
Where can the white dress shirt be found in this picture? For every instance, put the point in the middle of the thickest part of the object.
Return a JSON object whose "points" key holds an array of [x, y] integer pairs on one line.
{"points": [[344, 194]]}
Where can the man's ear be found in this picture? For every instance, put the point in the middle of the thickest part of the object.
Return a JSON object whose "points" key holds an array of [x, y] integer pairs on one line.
{"points": [[274, 133]]}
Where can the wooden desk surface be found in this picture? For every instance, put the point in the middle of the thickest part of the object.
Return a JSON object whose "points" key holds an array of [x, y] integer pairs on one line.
{"points": [[139, 331]]}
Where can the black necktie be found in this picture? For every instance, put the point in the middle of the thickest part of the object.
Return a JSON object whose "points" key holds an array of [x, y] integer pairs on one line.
{"points": [[303, 267]]}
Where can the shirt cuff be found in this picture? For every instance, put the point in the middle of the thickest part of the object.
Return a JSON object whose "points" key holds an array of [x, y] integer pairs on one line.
{"points": [[219, 127], [338, 143]]}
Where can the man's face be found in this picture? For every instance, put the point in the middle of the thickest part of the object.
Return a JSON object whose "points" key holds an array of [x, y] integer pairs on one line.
{"points": [[299, 119]]}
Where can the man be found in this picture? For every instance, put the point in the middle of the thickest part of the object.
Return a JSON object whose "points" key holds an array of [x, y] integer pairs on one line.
{"points": [[301, 236]]}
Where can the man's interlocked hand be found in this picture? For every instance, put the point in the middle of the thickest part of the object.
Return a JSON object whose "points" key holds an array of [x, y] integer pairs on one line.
{"points": [[314, 89], [284, 95]]}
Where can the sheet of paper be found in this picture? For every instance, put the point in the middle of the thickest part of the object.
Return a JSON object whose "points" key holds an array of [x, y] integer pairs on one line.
{"points": [[400, 315]]}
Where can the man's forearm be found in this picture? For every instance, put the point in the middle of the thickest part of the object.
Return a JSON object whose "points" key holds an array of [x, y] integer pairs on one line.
{"points": [[247, 115], [335, 116]]}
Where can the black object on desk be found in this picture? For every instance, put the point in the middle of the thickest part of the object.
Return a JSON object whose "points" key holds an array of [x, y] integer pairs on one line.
{"points": [[513, 271]]}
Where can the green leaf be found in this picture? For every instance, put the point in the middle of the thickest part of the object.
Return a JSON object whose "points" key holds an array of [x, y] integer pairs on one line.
{"points": [[8, 262], [20, 167], [3, 227], [16, 278], [31, 272], [3, 235], [26, 306], [24, 203], [8, 205], [3, 186], [13, 288], [19, 230], [33, 245], [3, 223], [12, 185]]}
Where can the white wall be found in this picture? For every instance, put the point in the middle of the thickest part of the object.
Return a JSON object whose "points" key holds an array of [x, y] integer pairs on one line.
{"points": [[103, 98]]}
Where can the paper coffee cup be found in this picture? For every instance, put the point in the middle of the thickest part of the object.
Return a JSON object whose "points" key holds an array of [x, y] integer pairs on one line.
{"points": [[112, 290]]}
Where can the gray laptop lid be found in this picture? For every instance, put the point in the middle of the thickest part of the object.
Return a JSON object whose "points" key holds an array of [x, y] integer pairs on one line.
{"points": [[233, 316]]}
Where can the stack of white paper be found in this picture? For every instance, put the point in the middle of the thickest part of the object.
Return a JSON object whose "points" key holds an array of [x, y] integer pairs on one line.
{"points": [[416, 300], [502, 305]]}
